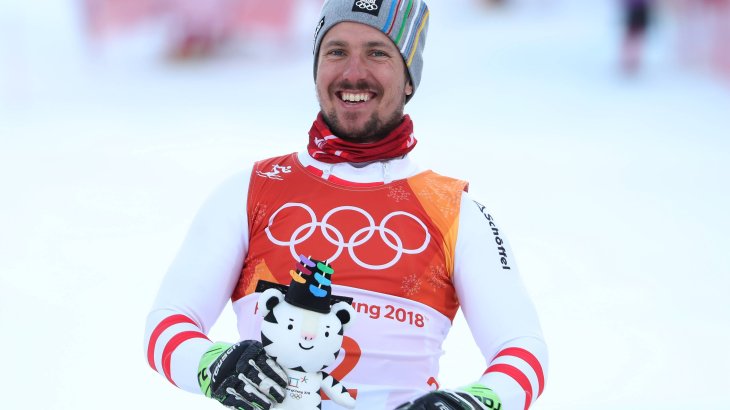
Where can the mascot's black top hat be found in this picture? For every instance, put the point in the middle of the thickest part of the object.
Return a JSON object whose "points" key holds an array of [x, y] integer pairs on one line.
{"points": [[310, 287]]}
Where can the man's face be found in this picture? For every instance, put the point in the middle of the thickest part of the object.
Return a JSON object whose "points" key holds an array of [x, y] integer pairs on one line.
{"points": [[361, 82]]}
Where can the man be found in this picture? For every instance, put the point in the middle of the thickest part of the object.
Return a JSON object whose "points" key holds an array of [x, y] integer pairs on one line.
{"points": [[637, 16], [197, 29], [409, 246]]}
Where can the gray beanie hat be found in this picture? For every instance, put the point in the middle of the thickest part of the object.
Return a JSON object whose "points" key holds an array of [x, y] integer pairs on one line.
{"points": [[405, 22]]}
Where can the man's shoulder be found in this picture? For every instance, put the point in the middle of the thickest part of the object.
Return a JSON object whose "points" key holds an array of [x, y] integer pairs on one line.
{"points": [[279, 159], [434, 180]]}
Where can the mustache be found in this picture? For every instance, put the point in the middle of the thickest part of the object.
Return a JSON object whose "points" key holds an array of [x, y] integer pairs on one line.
{"points": [[360, 85]]}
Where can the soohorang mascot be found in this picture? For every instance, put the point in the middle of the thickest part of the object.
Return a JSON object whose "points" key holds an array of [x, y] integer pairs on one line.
{"points": [[302, 330]]}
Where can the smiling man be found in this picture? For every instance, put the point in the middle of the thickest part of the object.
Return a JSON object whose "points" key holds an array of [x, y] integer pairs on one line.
{"points": [[410, 246], [362, 82]]}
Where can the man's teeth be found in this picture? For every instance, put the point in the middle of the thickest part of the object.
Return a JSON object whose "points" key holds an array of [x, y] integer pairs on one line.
{"points": [[352, 97]]}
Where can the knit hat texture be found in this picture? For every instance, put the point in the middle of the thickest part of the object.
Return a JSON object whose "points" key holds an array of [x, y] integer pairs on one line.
{"points": [[405, 22]]}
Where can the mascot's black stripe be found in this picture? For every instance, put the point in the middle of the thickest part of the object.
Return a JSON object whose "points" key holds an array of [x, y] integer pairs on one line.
{"points": [[270, 317]]}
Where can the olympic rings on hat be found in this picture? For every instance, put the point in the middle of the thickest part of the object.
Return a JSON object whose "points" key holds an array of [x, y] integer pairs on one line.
{"points": [[367, 5]]}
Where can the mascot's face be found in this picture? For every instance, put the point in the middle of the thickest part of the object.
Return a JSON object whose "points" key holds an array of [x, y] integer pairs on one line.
{"points": [[301, 339]]}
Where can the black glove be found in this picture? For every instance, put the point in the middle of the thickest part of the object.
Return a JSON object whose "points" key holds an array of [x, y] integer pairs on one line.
{"points": [[241, 376], [473, 397]]}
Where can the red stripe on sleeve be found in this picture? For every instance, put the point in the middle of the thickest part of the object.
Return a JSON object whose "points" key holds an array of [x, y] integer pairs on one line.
{"points": [[161, 327], [176, 341], [531, 360], [518, 376]]}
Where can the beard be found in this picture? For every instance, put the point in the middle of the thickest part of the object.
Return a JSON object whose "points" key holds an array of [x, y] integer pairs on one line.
{"points": [[374, 129]]}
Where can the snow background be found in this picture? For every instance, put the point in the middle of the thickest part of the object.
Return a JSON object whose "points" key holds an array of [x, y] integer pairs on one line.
{"points": [[612, 190]]}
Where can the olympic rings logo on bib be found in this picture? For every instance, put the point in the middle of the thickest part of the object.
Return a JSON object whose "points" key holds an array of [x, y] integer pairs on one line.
{"points": [[358, 238]]}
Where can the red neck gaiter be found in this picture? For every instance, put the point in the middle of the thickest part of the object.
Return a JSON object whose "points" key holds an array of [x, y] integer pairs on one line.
{"points": [[325, 147]]}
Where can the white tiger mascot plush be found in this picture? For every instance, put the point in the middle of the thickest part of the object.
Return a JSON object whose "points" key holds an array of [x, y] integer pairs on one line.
{"points": [[303, 332]]}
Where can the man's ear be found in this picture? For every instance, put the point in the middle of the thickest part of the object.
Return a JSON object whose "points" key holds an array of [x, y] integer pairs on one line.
{"points": [[409, 88]]}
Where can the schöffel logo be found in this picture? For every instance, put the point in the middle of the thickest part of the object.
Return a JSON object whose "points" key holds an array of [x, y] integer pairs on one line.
{"points": [[368, 6]]}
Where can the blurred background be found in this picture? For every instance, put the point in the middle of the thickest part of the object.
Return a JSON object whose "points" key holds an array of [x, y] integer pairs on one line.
{"points": [[596, 132]]}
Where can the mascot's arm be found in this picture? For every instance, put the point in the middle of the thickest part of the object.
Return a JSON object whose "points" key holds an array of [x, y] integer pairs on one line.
{"points": [[336, 391]]}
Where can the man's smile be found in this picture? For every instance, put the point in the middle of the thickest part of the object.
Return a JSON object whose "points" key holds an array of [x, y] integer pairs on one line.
{"points": [[354, 97]]}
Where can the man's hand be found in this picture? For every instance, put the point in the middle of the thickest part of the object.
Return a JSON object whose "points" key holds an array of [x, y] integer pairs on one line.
{"points": [[241, 376], [472, 397]]}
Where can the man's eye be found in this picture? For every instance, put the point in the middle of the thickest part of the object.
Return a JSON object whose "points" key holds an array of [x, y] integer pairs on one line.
{"points": [[378, 53], [336, 52]]}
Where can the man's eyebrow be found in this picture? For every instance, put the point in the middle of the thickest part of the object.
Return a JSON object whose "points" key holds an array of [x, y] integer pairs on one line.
{"points": [[335, 43], [376, 44], [341, 43]]}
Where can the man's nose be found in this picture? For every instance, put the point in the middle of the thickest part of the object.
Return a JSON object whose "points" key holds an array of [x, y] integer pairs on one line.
{"points": [[355, 68]]}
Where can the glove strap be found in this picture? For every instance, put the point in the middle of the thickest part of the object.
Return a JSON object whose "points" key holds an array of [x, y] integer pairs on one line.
{"points": [[485, 395], [204, 375]]}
